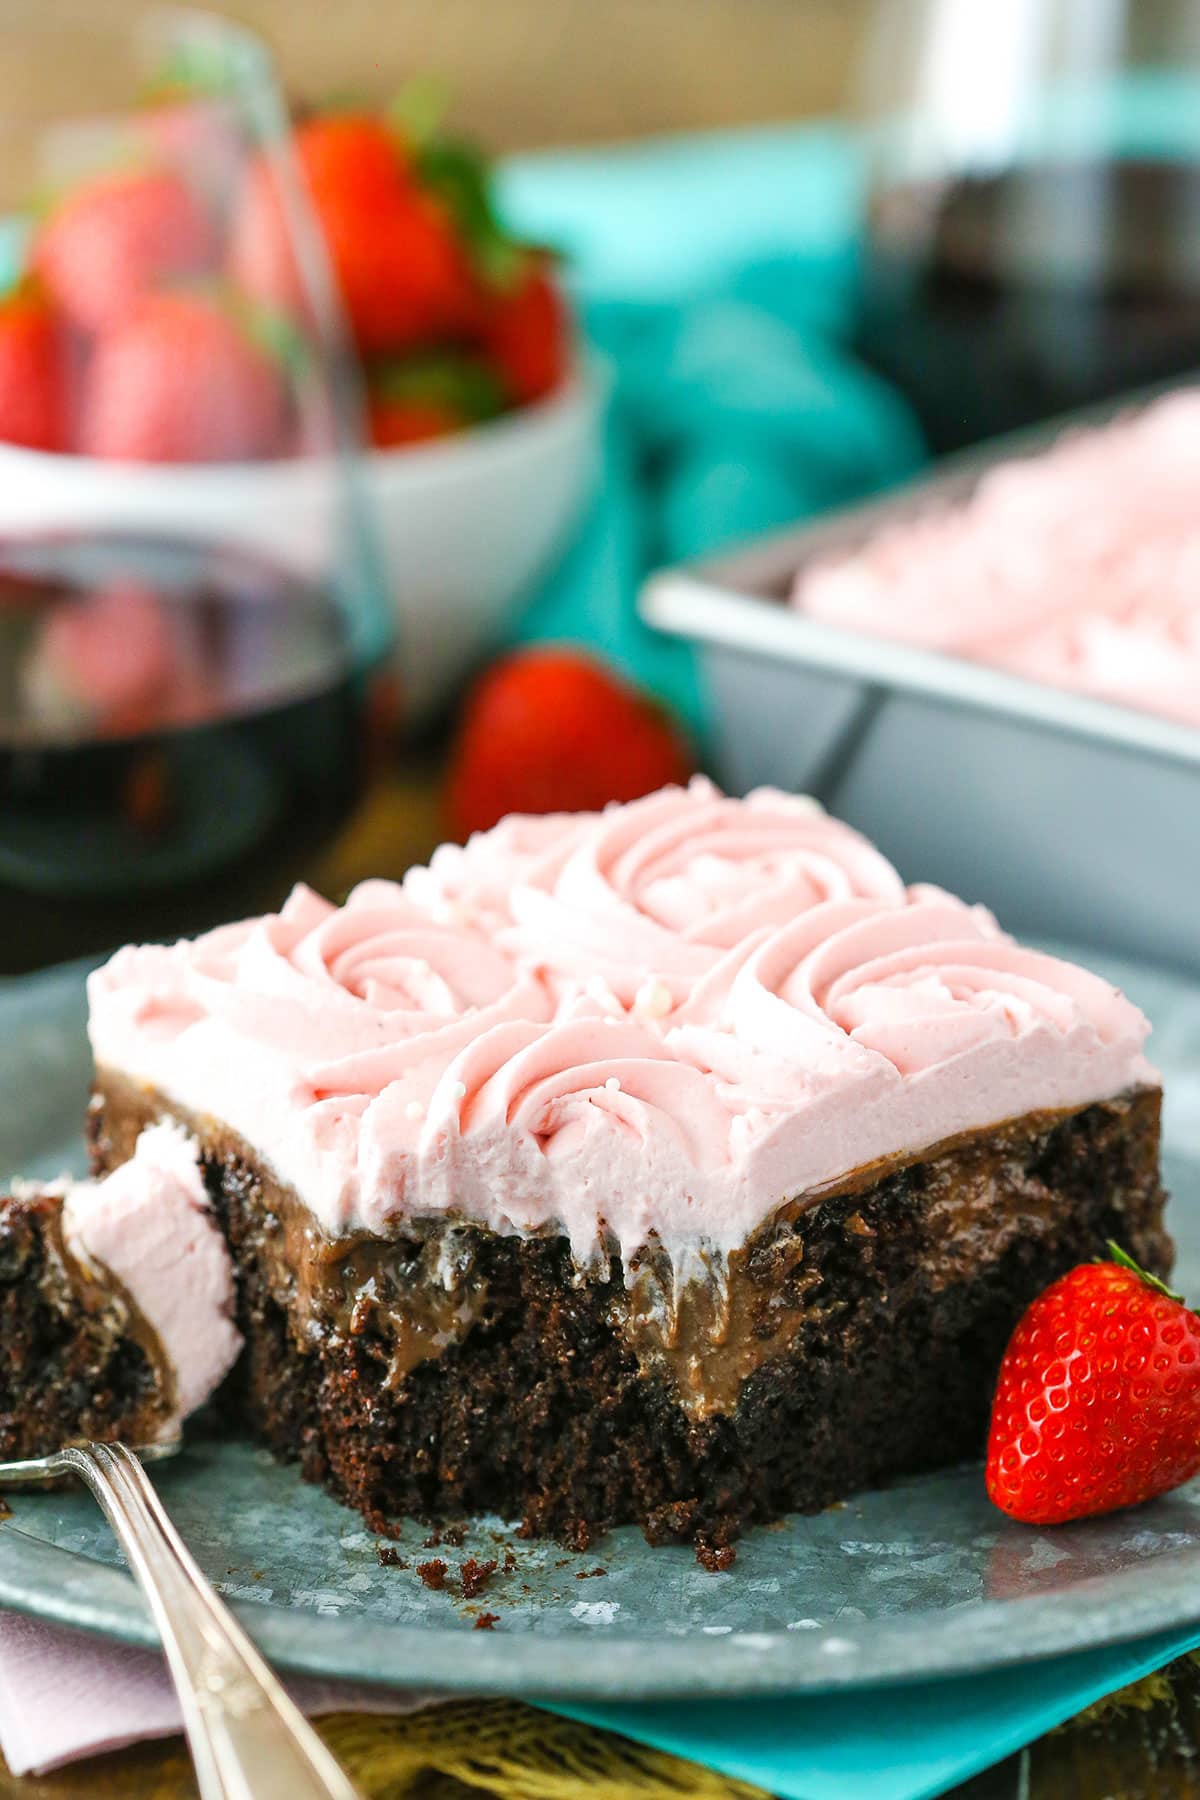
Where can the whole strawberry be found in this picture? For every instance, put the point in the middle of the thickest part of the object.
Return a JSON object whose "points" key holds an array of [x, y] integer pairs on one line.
{"points": [[183, 380], [404, 276], [115, 239], [553, 730], [33, 375], [1098, 1400]]}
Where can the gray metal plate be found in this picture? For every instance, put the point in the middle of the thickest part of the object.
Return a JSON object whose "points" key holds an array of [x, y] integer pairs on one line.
{"points": [[919, 1579]]}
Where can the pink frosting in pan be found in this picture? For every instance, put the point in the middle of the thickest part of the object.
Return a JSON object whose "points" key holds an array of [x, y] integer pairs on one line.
{"points": [[661, 1019], [1079, 567], [148, 1223]]}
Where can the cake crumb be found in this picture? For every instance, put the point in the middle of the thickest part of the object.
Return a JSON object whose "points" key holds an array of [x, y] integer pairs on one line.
{"points": [[510, 1562], [475, 1576], [444, 1534], [674, 1520], [487, 1621], [586, 1574], [714, 1557], [390, 1557], [433, 1573]]}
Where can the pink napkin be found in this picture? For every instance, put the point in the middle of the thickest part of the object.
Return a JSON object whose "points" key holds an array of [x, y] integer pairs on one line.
{"points": [[64, 1695]]}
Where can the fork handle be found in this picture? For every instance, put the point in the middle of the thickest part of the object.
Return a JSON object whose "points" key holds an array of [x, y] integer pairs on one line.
{"points": [[248, 1740]]}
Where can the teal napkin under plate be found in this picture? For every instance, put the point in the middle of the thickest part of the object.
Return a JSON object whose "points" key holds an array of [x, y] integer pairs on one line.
{"points": [[897, 1743], [717, 275]]}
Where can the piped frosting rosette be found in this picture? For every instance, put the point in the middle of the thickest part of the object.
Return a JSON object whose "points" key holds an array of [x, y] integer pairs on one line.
{"points": [[288, 1028], [579, 1126], [858, 1031], [472, 883], [636, 904], [862, 1032], [675, 1016]]}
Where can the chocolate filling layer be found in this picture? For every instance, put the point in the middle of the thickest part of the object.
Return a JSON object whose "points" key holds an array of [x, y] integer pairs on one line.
{"points": [[445, 1369]]}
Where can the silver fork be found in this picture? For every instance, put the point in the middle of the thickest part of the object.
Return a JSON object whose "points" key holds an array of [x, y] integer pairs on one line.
{"points": [[248, 1740]]}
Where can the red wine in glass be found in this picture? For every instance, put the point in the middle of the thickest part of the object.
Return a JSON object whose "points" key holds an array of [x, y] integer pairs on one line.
{"points": [[182, 728], [998, 300]]}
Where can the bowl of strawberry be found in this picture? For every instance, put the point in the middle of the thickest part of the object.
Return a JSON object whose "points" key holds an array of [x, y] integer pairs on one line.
{"points": [[213, 339]]}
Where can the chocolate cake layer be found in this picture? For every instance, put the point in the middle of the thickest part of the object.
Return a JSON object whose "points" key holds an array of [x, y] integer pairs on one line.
{"points": [[77, 1360], [445, 1371]]}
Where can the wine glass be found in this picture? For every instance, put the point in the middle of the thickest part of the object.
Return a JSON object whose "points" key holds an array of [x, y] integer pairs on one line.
{"points": [[193, 627], [1032, 241]]}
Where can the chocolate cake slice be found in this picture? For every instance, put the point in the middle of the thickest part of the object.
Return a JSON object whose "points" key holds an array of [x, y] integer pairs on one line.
{"points": [[675, 1165], [116, 1302]]}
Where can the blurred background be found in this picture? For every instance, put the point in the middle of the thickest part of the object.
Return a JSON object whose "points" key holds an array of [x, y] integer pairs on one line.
{"points": [[413, 414], [530, 72]]}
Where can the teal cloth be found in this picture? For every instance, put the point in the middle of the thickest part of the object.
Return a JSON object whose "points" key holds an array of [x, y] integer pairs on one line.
{"points": [[717, 276], [718, 273], [900, 1743]]}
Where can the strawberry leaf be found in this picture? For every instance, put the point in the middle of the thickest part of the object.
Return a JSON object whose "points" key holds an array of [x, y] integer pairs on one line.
{"points": [[458, 173], [461, 384], [418, 110], [1124, 1261]]}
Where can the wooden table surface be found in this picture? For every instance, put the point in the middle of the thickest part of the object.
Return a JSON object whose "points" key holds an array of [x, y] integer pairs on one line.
{"points": [[1142, 1747]]}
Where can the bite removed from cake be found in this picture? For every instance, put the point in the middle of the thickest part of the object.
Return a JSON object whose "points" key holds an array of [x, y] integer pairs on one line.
{"points": [[116, 1303], [676, 1164]]}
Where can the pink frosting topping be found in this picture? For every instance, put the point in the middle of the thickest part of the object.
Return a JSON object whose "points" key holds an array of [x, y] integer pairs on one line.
{"points": [[1079, 567], [148, 1223], [663, 1019]]}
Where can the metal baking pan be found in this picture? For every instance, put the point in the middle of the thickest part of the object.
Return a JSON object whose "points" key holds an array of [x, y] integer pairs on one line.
{"points": [[1069, 816]]}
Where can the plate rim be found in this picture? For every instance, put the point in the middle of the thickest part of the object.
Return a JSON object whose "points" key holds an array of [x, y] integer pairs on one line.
{"points": [[963, 1641], [1097, 1611]]}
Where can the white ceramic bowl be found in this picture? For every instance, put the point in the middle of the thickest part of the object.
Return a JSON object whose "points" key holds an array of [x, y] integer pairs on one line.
{"points": [[466, 526], [469, 524]]}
